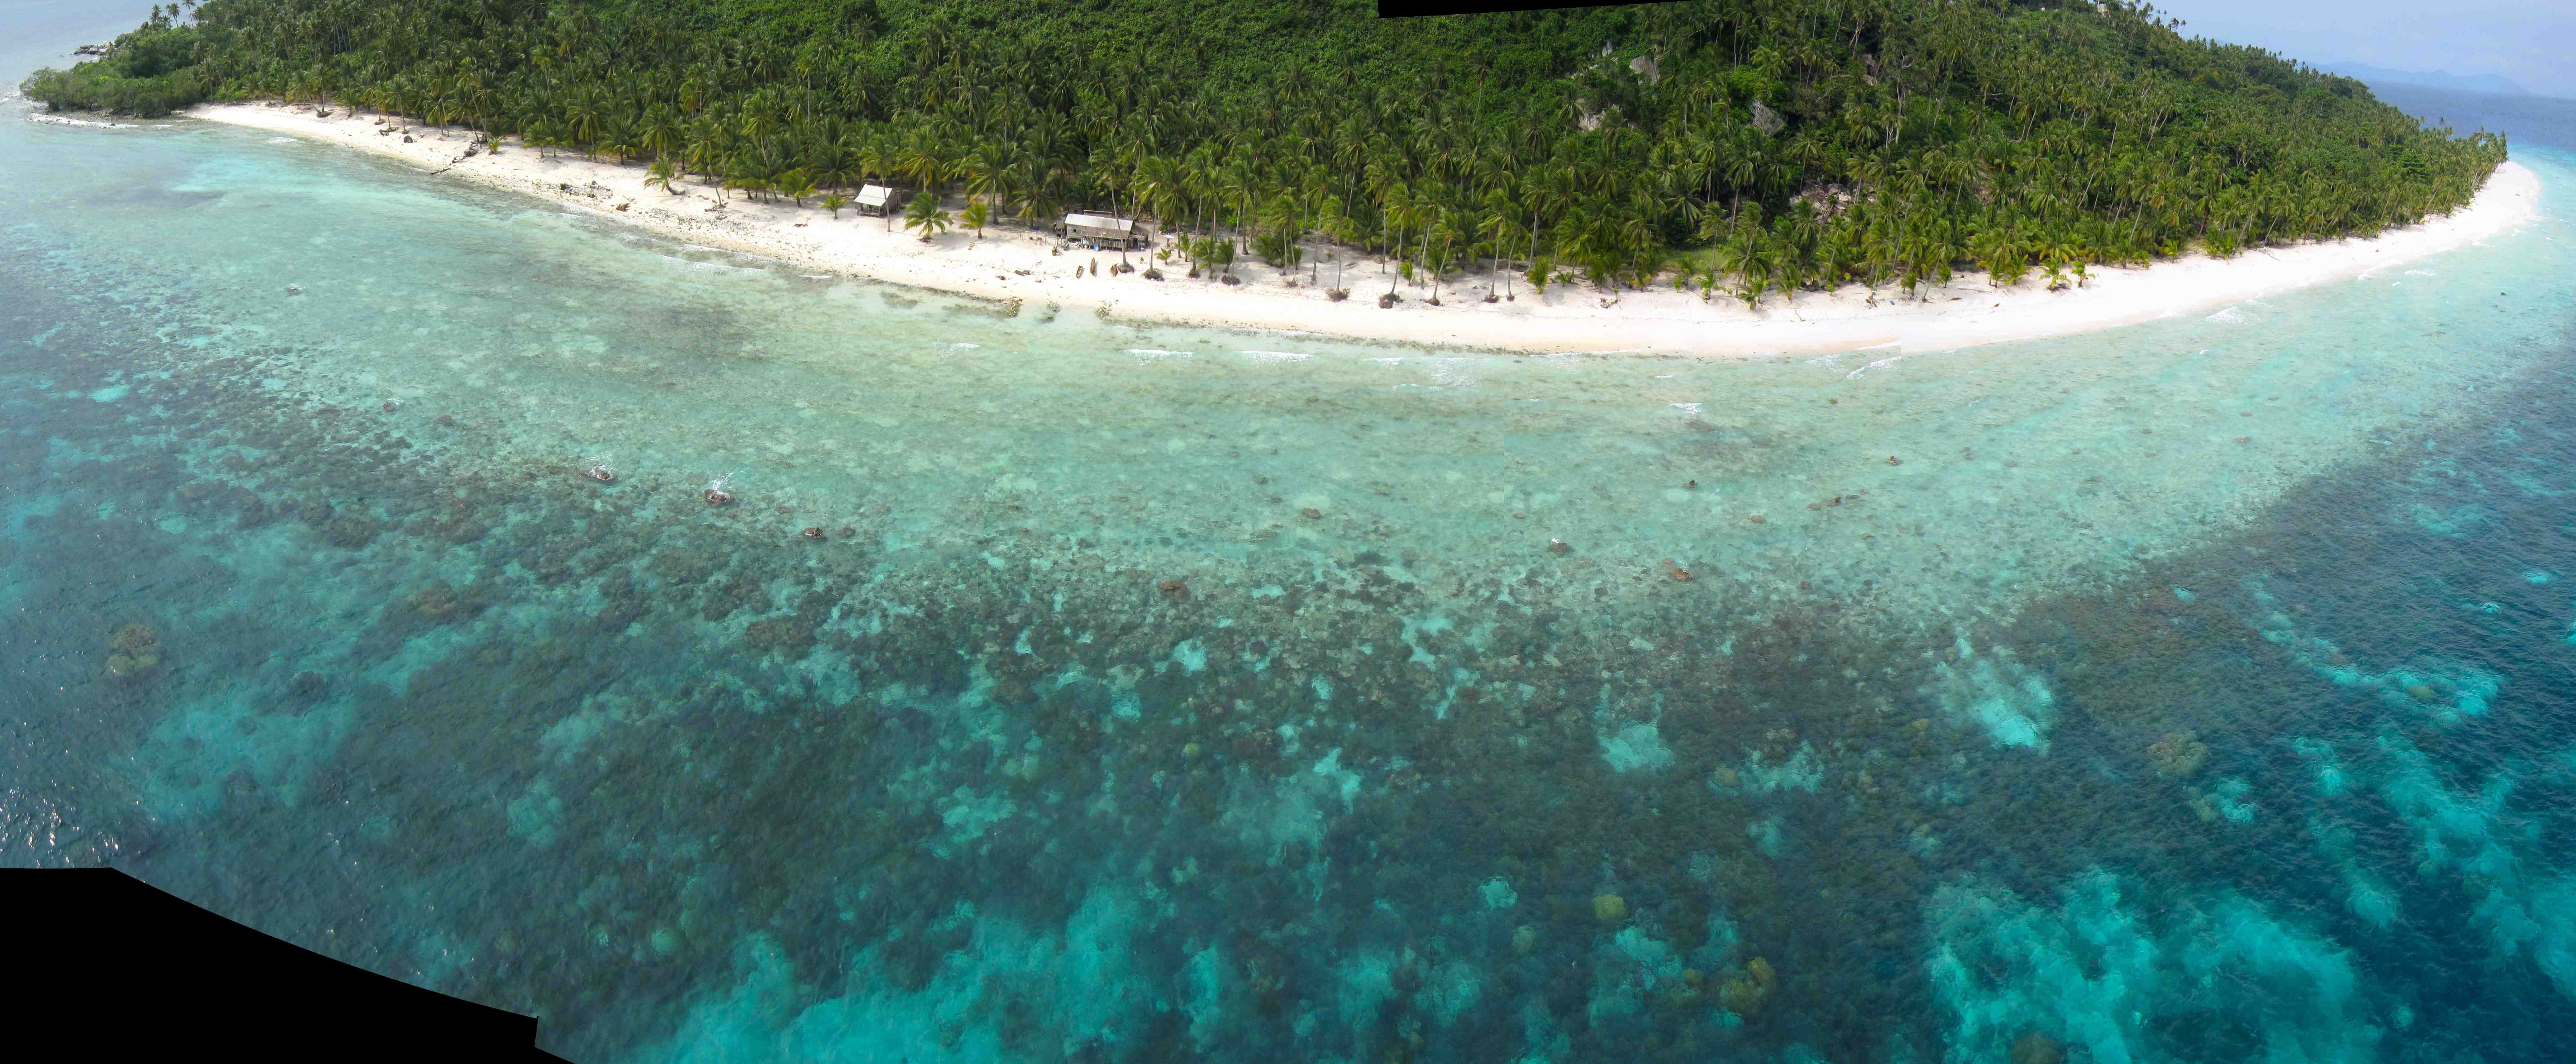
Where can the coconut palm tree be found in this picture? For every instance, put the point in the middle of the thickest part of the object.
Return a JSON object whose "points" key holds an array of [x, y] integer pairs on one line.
{"points": [[795, 185], [925, 214]]}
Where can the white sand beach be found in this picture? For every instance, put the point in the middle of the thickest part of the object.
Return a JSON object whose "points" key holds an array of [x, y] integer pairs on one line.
{"points": [[1009, 262]]}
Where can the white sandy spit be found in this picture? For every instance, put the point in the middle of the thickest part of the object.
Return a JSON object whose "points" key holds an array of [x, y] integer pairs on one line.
{"points": [[1567, 318]]}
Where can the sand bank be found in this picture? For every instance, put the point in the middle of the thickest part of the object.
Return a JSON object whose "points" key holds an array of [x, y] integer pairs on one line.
{"points": [[1011, 263]]}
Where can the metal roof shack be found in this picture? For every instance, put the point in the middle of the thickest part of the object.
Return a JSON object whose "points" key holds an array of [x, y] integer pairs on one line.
{"points": [[1101, 228], [876, 198]]}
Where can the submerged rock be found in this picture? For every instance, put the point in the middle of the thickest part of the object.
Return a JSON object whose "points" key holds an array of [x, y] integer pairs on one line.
{"points": [[1746, 994], [1609, 908], [134, 652], [1257, 747], [2178, 754], [349, 531], [135, 639], [2036, 1048], [436, 602]]}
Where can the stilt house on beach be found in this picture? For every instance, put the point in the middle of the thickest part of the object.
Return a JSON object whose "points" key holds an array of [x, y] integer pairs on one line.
{"points": [[1100, 230], [874, 199]]}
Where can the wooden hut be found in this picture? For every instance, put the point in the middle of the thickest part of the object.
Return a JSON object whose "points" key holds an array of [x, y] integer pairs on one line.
{"points": [[1101, 230], [875, 199]]}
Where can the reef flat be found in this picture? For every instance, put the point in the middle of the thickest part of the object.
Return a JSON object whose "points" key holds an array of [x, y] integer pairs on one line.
{"points": [[2190, 691]]}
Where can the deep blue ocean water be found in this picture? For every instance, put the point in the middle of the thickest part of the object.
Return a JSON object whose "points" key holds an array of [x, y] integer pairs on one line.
{"points": [[2197, 691]]}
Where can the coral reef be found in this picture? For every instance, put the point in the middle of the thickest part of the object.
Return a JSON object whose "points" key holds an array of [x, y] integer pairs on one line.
{"points": [[1996, 694], [134, 652], [2036, 1048], [2178, 754], [436, 602], [1747, 993]]}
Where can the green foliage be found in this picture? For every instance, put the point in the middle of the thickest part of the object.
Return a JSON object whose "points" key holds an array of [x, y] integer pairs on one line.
{"points": [[1212, 251], [1812, 142], [149, 72], [926, 215], [976, 216], [795, 184], [1279, 248]]}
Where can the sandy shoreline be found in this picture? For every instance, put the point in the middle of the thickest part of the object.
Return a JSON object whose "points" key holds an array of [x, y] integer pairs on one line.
{"points": [[1567, 318]]}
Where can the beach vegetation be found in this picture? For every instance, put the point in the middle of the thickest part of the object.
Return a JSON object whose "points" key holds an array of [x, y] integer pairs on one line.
{"points": [[795, 184], [976, 216], [1787, 145], [925, 214]]}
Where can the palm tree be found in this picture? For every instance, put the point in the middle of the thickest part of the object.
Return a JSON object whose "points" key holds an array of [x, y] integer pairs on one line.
{"points": [[925, 214], [795, 185], [833, 202], [975, 215], [660, 175], [1498, 227]]}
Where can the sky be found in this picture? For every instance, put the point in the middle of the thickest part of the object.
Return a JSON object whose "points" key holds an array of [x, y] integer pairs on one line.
{"points": [[2531, 42]]}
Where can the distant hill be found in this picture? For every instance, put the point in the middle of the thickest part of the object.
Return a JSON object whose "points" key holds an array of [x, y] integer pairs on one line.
{"points": [[2436, 79]]}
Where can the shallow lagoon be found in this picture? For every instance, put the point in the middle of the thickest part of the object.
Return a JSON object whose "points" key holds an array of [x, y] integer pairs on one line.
{"points": [[2194, 691]]}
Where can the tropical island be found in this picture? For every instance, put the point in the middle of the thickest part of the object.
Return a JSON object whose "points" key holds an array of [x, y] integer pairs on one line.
{"points": [[1700, 175]]}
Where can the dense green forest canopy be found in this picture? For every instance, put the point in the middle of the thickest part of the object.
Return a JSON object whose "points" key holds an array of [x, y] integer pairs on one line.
{"points": [[1749, 146]]}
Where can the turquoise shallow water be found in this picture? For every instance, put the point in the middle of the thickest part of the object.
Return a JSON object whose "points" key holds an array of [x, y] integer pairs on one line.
{"points": [[2195, 691]]}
